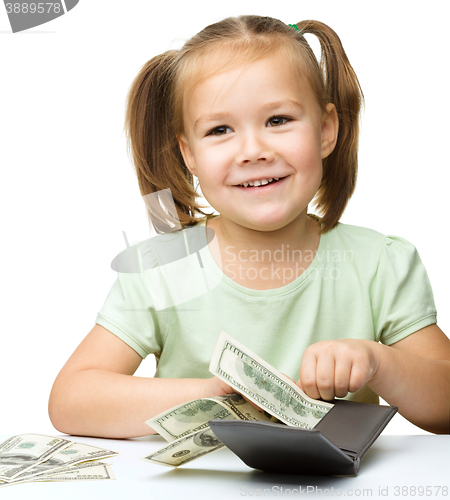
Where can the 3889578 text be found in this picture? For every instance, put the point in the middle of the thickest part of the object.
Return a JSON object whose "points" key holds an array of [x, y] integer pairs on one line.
{"points": [[33, 8]]}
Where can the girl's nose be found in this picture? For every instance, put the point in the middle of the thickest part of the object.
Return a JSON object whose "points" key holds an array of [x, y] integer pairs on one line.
{"points": [[254, 151]]}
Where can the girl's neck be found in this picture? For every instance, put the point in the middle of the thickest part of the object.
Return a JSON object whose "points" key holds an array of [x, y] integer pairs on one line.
{"points": [[236, 249], [301, 234]]}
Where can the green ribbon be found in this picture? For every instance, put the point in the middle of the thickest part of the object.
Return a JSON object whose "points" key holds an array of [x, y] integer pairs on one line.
{"points": [[296, 28]]}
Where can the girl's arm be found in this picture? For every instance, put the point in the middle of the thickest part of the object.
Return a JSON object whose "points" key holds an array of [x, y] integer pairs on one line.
{"points": [[96, 394], [412, 374]]}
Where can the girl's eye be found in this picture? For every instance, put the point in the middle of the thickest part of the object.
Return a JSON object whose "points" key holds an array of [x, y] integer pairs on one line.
{"points": [[219, 130], [275, 121]]}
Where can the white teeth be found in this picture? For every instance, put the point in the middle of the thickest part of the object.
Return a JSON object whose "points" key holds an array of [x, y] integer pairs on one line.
{"points": [[262, 182]]}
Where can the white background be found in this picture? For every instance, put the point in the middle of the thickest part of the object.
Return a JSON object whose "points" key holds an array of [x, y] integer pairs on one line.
{"points": [[68, 188]]}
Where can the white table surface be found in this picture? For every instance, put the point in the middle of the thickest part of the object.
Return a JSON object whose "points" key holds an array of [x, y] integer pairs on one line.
{"points": [[390, 469]]}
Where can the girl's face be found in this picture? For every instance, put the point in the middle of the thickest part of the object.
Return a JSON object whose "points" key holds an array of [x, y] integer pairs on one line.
{"points": [[255, 123]]}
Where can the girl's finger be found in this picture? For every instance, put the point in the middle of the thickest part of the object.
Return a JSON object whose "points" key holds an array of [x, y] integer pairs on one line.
{"points": [[308, 375], [252, 403], [342, 377], [299, 383], [325, 369]]}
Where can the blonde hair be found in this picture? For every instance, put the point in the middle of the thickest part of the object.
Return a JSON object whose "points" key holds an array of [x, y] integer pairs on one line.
{"points": [[156, 98]]}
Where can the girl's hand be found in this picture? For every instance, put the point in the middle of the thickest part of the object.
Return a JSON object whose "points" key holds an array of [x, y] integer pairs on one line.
{"points": [[333, 368], [217, 387], [214, 387]]}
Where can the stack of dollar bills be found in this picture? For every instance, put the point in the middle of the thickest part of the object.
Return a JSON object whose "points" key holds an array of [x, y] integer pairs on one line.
{"points": [[186, 426], [35, 457]]}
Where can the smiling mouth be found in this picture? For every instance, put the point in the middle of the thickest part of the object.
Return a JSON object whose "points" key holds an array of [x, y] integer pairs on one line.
{"points": [[261, 183]]}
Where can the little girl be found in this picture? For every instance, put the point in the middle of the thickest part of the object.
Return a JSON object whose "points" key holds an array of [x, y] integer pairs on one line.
{"points": [[345, 311]]}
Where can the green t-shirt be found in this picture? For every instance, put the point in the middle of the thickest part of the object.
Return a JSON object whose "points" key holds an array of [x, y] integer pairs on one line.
{"points": [[361, 284]]}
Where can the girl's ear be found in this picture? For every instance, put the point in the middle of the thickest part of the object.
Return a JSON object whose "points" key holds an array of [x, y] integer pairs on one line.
{"points": [[187, 154], [330, 129]]}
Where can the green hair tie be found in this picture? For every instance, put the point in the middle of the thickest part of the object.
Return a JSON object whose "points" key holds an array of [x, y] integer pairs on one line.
{"points": [[296, 28]]}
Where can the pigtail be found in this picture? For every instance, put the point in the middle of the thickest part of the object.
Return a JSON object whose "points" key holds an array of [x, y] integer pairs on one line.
{"points": [[342, 88], [152, 143]]}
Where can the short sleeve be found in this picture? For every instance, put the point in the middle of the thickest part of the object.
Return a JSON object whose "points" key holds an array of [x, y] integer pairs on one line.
{"points": [[128, 313], [401, 296]]}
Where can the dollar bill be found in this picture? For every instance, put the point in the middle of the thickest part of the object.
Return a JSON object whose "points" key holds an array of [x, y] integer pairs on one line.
{"points": [[20, 453], [193, 416], [84, 471], [265, 386], [88, 472], [74, 454], [186, 449]]}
